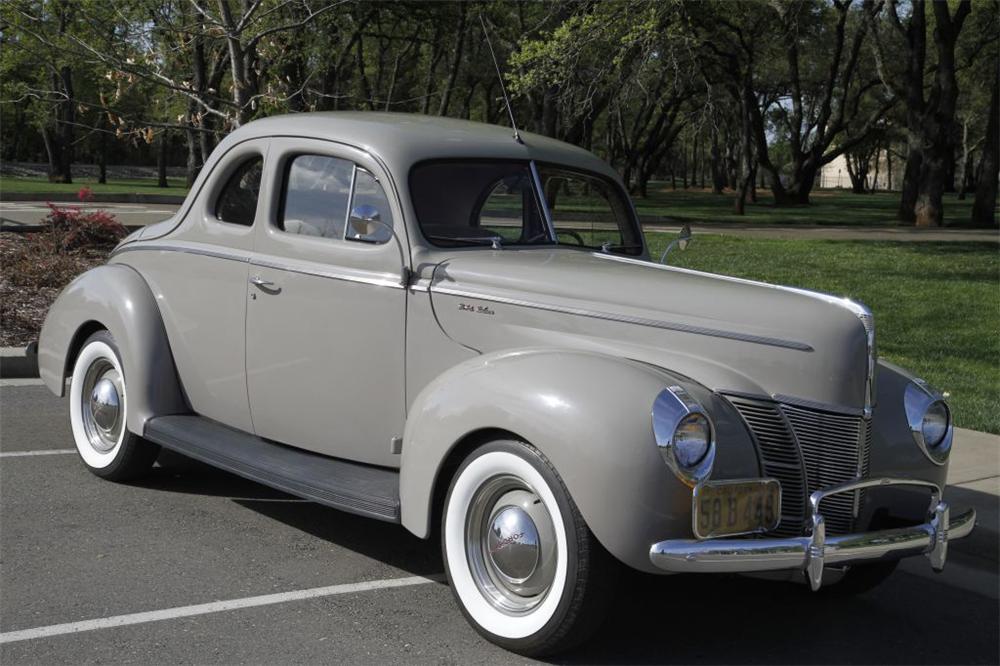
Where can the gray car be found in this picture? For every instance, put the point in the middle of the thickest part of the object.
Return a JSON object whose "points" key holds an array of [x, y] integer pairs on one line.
{"points": [[435, 323]]}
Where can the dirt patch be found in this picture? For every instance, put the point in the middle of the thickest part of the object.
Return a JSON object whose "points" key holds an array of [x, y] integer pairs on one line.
{"points": [[32, 273]]}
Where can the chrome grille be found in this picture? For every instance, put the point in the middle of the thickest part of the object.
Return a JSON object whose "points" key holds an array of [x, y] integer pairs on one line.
{"points": [[832, 447], [779, 457], [807, 449]]}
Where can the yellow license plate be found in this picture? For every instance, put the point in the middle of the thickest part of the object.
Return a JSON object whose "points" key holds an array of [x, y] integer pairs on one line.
{"points": [[726, 508]]}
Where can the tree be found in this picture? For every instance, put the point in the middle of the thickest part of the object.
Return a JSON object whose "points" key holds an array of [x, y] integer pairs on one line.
{"points": [[825, 95], [930, 117], [984, 209]]}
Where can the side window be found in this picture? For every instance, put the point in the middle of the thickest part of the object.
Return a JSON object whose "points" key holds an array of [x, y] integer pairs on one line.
{"points": [[317, 190], [237, 204], [371, 217]]}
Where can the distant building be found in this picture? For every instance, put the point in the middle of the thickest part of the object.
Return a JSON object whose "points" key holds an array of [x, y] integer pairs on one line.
{"points": [[834, 175]]}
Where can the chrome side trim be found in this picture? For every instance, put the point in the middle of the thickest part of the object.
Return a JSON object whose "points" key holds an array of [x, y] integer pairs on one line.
{"points": [[640, 321], [387, 281], [160, 247]]}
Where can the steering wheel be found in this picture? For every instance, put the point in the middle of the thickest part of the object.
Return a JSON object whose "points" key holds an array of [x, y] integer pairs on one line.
{"points": [[572, 234]]}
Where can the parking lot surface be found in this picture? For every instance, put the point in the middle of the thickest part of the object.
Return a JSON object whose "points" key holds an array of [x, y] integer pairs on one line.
{"points": [[81, 558]]}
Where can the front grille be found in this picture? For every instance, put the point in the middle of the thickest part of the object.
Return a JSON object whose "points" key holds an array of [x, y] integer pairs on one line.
{"points": [[807, 449]]}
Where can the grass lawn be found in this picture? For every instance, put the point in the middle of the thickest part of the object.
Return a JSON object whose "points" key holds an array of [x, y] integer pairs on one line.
{"points": [[837, 207], [936, 304], [124, 186]]}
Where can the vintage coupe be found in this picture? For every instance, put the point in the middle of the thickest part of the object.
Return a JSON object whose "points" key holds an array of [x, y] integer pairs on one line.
{"points": [[431, 322]]}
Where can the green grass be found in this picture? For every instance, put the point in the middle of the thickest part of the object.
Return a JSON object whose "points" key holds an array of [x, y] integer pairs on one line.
{"points": [[124, 186], [836, 207], [936, 304]]}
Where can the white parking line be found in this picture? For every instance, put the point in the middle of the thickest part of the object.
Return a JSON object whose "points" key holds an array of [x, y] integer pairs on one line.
{"points": [[41, 452], [213, 607]]}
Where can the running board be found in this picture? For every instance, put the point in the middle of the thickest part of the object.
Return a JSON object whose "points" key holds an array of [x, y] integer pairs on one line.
{"points": [[353, 487]]}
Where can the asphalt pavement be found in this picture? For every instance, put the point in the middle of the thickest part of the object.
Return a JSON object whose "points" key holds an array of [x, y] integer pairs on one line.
{"points": [[28, 213], [193, 565]]}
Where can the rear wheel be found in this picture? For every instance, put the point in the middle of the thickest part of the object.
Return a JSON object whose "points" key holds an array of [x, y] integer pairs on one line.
{"points": [[97, 408], [524, 567]]}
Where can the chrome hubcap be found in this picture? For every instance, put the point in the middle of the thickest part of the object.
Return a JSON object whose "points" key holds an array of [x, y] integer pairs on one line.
{"points": [[102, 397], [511, 545], [104, 404]]}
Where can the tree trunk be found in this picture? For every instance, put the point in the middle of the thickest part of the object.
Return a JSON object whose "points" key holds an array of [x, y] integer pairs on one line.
{"points": [[102, 153], [456, 60], [67, 122], [984, 209], [51, 150], [911, 178], [191, 167], [161, 161], [716, 166]]}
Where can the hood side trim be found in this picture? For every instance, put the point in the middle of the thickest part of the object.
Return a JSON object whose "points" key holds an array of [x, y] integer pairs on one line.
{"points": [[639, 321]]}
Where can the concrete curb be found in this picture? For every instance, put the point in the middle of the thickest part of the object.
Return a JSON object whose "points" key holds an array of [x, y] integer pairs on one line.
{"points": [[19, 362], [98, 197]]}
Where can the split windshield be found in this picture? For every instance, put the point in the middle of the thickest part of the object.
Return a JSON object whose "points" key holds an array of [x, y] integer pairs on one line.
{"points": [[496, 203]]}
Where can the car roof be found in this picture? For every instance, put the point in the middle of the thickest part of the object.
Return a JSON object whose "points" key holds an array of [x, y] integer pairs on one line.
{"points": [[402, 139]]}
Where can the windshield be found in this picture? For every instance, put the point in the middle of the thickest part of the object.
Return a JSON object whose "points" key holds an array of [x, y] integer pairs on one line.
{"points": [[462, 203]]}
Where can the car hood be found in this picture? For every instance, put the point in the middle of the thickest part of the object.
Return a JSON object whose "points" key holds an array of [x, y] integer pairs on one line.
{"points": [[729, 334]]}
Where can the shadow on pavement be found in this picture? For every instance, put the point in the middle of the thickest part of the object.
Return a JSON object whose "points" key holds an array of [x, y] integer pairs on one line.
{"points": [[909, 619]]}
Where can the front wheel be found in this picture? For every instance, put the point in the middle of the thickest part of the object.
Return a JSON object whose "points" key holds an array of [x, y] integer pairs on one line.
{"points": [[527, 572], [97, 411]]}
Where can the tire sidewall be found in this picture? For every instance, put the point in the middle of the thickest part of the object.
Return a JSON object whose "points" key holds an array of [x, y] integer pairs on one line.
{"points": [[522, 633], [99, 345]]}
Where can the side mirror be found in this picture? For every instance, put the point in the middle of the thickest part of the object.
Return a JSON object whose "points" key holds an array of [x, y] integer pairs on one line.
{"points": [[682, 241], [365, 225]]}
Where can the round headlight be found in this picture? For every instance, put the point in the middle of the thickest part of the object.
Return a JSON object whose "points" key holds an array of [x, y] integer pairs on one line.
{"points": [[692, 439], [935, 423]]}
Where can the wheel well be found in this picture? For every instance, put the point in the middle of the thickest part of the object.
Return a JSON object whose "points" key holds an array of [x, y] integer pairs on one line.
{"points": [[81, 335], [459, 452]]}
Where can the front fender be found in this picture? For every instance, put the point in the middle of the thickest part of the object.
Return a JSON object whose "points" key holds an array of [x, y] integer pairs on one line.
{"points": [[114, 297], [589, 414]]}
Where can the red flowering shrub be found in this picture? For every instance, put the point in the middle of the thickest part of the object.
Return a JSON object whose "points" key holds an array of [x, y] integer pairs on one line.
{"points": [[85, 194], [77, 228]]}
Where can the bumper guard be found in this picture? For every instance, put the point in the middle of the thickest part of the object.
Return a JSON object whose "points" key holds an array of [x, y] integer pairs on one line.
{"points": [[812, 553]]}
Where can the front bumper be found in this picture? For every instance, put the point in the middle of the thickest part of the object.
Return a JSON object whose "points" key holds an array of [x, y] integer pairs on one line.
{"points": [[814, 552]]}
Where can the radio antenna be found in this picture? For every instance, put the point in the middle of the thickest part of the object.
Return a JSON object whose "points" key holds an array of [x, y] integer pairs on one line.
{"points": [[506, 99]]}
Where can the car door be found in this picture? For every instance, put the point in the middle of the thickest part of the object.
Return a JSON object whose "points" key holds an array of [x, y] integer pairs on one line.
{"points": [[326, 306], [199, 277]]}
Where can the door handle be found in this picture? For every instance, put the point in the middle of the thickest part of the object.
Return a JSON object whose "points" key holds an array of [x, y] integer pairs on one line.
{"points": [[258, 281]]}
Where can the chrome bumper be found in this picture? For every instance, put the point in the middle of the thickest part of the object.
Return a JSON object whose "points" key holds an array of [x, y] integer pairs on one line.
{"points": [[812, 553]]}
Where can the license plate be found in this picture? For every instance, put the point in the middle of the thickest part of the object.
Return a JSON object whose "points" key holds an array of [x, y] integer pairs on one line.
{"points": [[727, 508]]}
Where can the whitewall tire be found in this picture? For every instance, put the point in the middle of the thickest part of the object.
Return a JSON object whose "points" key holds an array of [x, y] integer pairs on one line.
{"points": [[526, 571], [97, 409]]}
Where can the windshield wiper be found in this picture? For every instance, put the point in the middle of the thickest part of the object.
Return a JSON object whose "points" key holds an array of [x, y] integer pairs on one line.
{"points": [[495, 241]]}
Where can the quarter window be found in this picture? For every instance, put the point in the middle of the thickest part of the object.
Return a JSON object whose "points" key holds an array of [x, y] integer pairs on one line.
{"points": [[317, 191], [237, 204]]}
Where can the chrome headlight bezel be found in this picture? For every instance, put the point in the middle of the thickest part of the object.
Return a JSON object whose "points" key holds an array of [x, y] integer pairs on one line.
{"points": [[670, 408], [918, 399]]}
